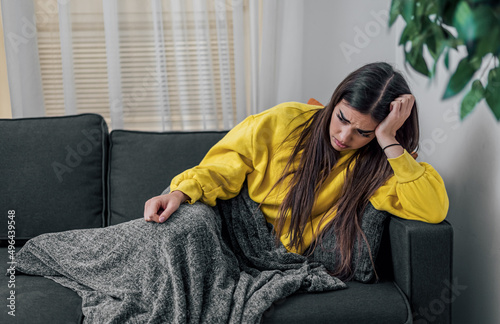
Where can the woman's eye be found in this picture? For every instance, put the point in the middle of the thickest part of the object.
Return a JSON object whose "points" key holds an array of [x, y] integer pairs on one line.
{"points": [[364, 135], [341, 119]]}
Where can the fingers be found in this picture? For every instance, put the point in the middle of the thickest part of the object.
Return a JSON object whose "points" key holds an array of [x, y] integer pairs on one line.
{"points": [[171, 208], [154, 207], [395, 105], [400, 110], [158, 209], [405, 102], [151, 208], [402, 106]]}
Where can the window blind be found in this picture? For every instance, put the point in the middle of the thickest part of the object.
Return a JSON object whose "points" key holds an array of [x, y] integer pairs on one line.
{"points": [[175, 75]]}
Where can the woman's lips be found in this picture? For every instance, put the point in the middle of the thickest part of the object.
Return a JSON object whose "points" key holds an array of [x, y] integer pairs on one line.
{"points": [[339, 144]]}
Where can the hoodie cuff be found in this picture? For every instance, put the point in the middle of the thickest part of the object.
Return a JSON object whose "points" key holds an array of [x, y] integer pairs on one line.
{"points": [[191, 188], [406, 168]]}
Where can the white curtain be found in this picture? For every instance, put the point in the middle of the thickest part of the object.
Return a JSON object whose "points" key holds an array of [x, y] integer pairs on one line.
{"points": [[153, 65], [280, 68], [21, 51]]}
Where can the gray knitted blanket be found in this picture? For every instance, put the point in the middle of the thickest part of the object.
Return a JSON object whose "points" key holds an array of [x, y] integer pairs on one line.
{"points": [[204, 265]]}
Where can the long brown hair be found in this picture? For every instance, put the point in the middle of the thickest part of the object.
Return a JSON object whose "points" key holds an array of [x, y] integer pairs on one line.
{"points": [[369, 90]]}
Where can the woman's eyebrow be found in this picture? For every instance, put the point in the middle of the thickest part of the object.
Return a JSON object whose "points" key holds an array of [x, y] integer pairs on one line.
{"points": [[359, 130]]}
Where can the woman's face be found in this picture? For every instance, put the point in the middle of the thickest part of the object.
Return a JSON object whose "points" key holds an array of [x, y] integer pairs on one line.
{"points": [[350, 129]]}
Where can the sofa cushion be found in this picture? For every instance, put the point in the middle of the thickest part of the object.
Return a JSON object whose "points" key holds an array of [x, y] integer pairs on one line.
{"points": [[142, 165], [53, 173], [36, 299], [360, 303]]}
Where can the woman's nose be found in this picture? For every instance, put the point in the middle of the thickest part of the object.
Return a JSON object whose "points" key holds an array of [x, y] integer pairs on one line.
{"points": [[345, 135]]}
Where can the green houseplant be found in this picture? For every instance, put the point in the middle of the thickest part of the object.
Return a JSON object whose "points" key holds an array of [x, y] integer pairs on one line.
{"points": [[443, 25]]}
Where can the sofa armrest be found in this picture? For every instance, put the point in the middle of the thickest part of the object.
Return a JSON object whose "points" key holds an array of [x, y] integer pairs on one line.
{"points": [[422, 265]]}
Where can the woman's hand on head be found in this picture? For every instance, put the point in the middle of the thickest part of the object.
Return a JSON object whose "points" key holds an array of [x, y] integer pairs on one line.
{"points": [[158, 209], [400, 111]]}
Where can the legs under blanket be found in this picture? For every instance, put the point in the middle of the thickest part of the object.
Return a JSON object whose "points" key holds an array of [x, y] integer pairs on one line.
{"points": [[138, 271], [210, 265]]}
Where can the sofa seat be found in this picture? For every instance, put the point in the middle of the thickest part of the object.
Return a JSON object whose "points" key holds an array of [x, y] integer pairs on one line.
{"points": [[359, 303], [45, 301]]}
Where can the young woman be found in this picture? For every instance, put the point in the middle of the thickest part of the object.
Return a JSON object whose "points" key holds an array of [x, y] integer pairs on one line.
{"points": [[314, 170]]}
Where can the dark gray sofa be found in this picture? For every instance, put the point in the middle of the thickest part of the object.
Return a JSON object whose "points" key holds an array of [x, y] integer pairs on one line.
{"points": [[60, 173]]}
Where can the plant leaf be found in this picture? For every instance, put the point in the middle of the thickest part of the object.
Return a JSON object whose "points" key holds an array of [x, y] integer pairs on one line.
{"points": [[492, 92], [447, 11], [463, 21], [420, 9], [488, 43], [483, 18], [447, 59], [431, 8], [435, 41], [433, 70], [433, 44], [472, 98], [416, 59], [395, 11], [407, 9], [410, 32], [403, 8], [464, 72], [473, 23]]}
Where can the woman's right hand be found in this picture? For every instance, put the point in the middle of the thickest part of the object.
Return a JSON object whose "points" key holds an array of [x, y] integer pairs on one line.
{"points": [[158, 209]]}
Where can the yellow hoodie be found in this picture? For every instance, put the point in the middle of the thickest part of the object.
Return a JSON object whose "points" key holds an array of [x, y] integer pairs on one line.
{"points": [[256, 150]]}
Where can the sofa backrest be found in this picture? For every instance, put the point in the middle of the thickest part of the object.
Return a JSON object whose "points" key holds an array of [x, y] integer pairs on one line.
{"points": [[142, 164], [53, 172]]}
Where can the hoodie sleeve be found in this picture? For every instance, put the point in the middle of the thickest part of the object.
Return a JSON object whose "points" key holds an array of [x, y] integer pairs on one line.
{"points": [[416, 191], [223, 170]]}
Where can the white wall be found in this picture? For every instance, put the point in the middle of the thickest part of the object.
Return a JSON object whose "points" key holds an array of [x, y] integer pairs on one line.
{"points": [[341, 36], [466, 153]]}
